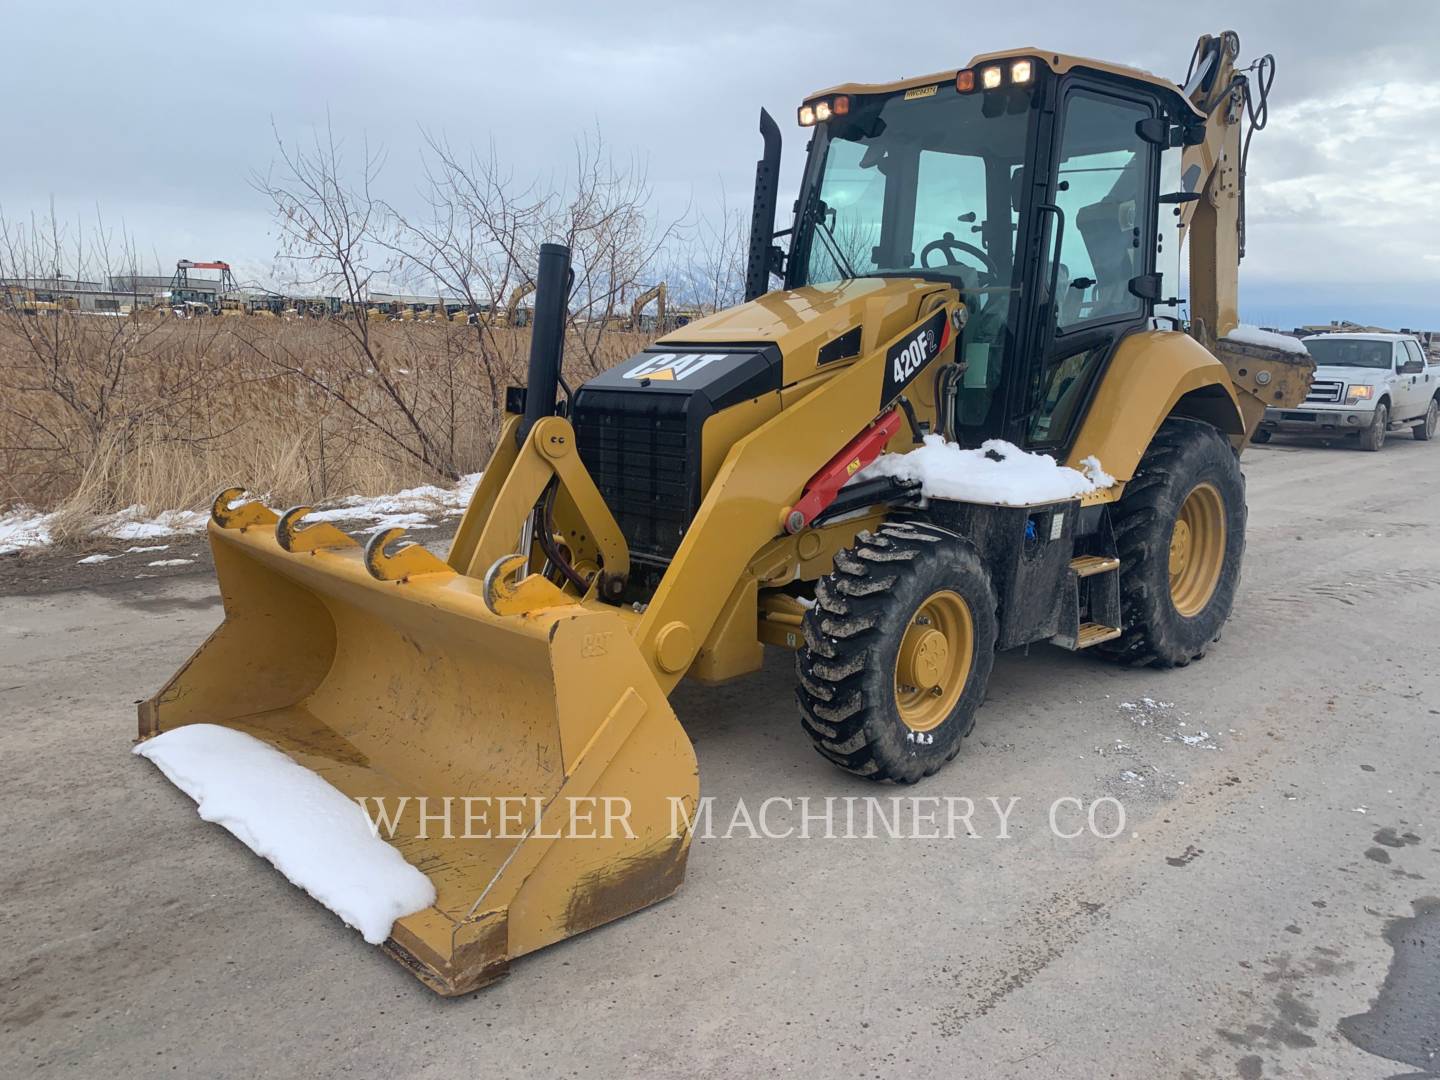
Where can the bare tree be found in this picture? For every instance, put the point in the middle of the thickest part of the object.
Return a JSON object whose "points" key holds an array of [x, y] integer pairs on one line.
{"points": [[481, 230], [706, 259], [603, 214], [333, 239]]}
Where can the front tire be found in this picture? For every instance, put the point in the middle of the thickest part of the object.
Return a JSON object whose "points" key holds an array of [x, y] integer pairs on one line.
{"points": [[1373, 437], [1180, 535], [1425, 430], [1261, 437], [898, 652]]}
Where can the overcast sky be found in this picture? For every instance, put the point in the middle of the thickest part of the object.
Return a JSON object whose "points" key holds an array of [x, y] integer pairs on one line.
{"points": [[157, 114]]}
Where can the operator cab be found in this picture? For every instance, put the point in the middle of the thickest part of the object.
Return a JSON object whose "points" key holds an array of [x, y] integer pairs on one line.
{"points": [[1028, 181]]}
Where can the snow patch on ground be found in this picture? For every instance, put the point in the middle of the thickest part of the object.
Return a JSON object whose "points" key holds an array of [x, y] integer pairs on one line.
{"points": [[170, 562], [1147, 711], [23, 529], [91, 560], [409, 509], [312, 833], [998, 473], [137, 523], [1253, 335]]}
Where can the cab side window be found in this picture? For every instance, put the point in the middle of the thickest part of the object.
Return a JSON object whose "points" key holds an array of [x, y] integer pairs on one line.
{"points": [[1105, 189], [1101, 185]]}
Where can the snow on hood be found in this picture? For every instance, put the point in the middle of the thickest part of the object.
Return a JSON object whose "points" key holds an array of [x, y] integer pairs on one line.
{"points": [[1253, 335], [998, 473], [320, 839]]}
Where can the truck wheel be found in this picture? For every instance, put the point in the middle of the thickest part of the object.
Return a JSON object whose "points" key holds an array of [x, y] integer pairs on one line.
{"points": [[1425, 430], [1373, 437], [898, 651], [1261, 437], [1180, 534]]}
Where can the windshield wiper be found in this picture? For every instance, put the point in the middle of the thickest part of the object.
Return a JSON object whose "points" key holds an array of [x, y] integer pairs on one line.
{"points": [[841, 262]]}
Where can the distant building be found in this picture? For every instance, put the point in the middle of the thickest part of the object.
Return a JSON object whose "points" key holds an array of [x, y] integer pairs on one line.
{"points": [[74, 294]]}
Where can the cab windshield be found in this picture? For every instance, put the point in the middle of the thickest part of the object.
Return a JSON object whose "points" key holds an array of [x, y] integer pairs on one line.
{"points": [[929, 185], [1350, 352]]}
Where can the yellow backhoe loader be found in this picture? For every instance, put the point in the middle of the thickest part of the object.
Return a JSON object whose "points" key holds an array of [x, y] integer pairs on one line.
{"points": [[973, 255]]}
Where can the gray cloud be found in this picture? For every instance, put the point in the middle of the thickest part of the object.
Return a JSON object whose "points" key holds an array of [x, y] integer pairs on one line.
{"points": [[159, 114]]}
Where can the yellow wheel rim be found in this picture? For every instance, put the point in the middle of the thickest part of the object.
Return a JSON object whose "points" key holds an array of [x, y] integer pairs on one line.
{"points": [[933, 664], [1197, 549]]}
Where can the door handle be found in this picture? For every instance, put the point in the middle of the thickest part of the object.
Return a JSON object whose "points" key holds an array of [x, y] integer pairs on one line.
{"points": [[1051, 208]]}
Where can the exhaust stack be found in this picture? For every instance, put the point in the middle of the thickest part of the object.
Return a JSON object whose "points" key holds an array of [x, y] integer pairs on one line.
{"points": [[547, 335]]}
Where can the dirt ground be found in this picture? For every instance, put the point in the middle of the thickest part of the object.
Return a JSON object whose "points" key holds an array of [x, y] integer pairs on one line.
{"points": [[1269, 908]]}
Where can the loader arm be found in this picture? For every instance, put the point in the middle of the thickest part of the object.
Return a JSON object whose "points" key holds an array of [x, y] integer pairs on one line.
{"points": [[743, 512]]}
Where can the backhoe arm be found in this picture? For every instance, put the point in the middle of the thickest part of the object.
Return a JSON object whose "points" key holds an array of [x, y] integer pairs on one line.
{"points": [[1213, 169]]}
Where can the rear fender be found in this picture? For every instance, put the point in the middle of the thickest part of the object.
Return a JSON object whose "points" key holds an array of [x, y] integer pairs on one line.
{"points": [[1153, 375]]}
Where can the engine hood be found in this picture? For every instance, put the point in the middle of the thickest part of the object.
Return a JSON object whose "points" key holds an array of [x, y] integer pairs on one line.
{"points": [[1350, 373], [818, 326]]}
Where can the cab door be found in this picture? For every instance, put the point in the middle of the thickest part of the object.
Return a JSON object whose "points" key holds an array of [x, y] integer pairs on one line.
{"points": [[1097, 275], [1412, 380]]}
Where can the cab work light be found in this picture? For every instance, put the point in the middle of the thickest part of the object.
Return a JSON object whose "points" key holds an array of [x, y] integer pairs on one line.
{"points": [[817, 112], [1019, 72]]}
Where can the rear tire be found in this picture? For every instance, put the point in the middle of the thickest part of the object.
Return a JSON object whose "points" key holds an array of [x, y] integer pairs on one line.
{"points": [[1425, 430], [1172, 610], [1373, 437], [911, 597], [1261, 437]]}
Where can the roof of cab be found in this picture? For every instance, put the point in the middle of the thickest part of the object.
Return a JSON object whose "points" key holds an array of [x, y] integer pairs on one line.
{"points": [[1060, 63]]}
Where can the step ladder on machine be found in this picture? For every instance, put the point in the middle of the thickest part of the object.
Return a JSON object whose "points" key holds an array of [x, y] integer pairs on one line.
{"points": [[1092, 593]]}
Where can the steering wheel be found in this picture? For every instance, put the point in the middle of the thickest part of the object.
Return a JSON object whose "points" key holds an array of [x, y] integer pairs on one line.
{"points": [[947, 244]]}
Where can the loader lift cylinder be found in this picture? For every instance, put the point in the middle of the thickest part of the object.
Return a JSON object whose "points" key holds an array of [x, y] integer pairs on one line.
{"points": [[547, 336]]}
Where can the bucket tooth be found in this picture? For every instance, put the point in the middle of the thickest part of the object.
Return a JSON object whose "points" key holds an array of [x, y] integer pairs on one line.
{"points": [[243, 516], [508, 590], [409, 560], [319, 536]]}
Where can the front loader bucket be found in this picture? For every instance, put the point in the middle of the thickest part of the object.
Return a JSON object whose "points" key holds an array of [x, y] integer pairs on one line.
{"points": [[413, 692]]}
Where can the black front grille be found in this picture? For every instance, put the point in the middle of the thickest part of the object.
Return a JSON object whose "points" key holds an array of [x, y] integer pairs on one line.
{"points": [[637, 447]]}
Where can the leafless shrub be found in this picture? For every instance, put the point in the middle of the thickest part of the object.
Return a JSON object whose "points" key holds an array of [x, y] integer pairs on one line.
{"points": [[73, 381]]}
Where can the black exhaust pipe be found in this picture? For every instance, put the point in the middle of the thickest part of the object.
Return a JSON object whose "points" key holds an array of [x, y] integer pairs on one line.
{"points": [[547, 335], [762, 216]]}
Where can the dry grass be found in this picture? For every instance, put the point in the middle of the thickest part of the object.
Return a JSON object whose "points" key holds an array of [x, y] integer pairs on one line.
{"points": [[97, 414]]}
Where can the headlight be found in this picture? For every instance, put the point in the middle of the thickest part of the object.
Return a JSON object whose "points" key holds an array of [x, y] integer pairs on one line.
{"points": [[1359, 393]]}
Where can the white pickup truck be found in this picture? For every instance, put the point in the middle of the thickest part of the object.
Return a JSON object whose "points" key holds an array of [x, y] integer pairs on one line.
{"points": [[1365, 385]]}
